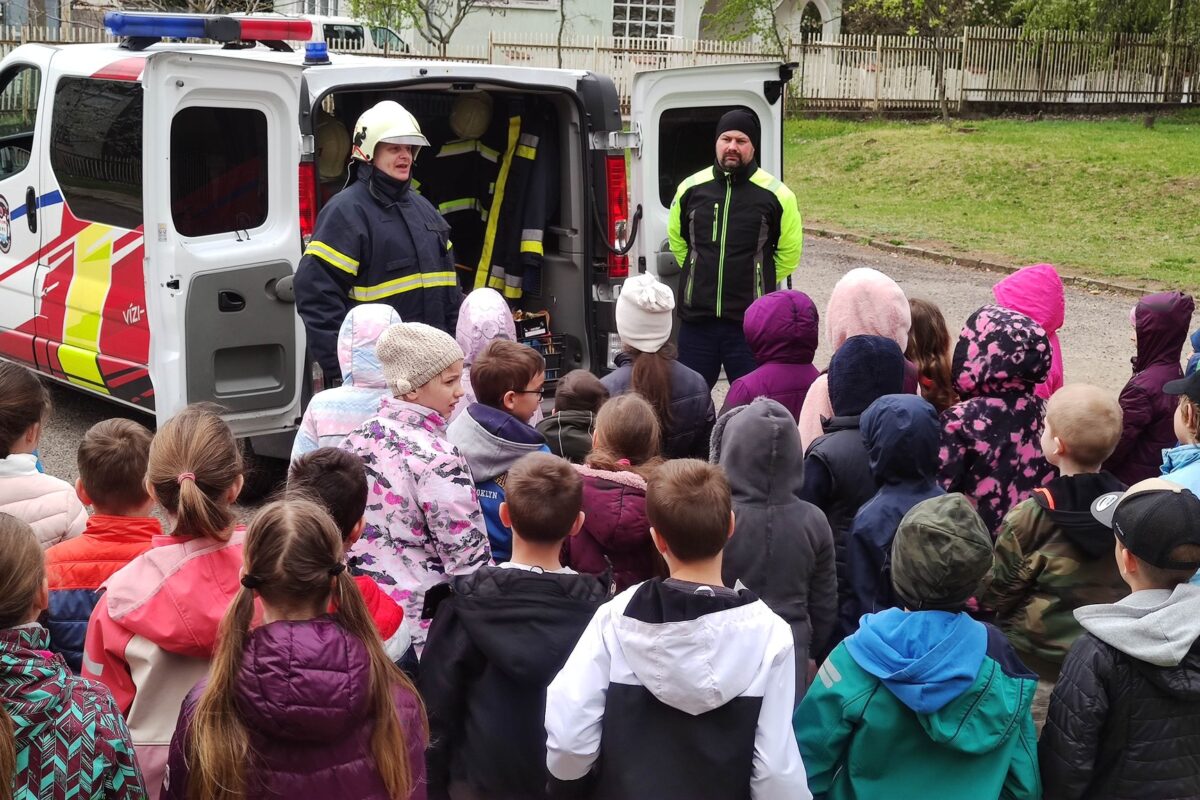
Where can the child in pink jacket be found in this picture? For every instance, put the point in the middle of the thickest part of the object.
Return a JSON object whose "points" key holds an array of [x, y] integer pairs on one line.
{"points": [[152, 634], [47, 504], [423, 522], [1037, 292]]}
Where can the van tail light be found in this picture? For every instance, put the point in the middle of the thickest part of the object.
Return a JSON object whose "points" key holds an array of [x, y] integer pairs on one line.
{"points": [[618, 214], [308, 200]]}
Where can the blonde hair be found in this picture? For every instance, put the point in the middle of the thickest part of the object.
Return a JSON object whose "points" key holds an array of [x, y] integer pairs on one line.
{"points": [[194, 461], [1087, 419], [22, 574], [292, 548]]}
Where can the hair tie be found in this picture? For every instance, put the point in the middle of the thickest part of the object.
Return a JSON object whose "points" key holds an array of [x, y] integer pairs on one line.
{"points": [[624, 462], [251, 581], [337, 569], [185, 476]]}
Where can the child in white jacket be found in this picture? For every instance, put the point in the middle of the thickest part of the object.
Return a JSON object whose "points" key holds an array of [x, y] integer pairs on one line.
{"points": [[49, 505]]}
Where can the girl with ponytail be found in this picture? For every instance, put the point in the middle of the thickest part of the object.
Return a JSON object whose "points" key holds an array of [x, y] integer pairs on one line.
{"points": [[151, 636], [307, 704], [42, 705]]}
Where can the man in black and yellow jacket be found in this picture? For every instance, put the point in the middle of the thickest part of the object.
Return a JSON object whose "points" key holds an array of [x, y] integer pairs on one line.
{"points": [[736, 232]]}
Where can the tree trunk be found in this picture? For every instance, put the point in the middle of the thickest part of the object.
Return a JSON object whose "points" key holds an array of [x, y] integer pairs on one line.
{"points": [[940, 67]]}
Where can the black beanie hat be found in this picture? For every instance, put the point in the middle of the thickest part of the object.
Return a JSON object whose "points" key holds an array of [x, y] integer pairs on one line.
{"points": [[864, 369], [739, 119]]}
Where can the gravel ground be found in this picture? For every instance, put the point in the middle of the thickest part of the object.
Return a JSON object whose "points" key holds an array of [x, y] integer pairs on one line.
{"points": [[1096, 340]]}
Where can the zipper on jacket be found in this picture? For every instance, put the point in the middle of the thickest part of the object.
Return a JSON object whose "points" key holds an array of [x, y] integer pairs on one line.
{"points": [[716, 212], [691, 265], [758, 284], [721, 251]]}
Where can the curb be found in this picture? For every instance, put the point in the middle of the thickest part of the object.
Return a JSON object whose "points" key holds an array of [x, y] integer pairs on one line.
{"points": [[1088, 284]]}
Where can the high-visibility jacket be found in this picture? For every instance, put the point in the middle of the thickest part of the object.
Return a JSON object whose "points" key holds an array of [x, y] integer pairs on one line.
{"points": [[375, 242], [737, 235]]}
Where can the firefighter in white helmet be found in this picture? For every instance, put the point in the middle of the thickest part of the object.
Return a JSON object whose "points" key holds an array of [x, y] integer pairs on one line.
{"points": [[377, 241]]}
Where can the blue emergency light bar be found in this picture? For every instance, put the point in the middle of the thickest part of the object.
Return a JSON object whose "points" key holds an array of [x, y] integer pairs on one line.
{"points": [[149, 26]]}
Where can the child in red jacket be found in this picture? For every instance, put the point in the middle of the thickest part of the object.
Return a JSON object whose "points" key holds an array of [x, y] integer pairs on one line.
{"points": [[112, 471]]}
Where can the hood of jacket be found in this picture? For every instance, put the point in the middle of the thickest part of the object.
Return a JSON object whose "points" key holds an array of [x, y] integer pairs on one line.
{"points": [[1158, 626], [782, 327], [862, 370], [1196, 341], [1068, 501], [176, 593], [696, 652], [567, 424], [902, 433], [930, 661], [1162, 322], [758, 446], [616, 508], [306, 681], [356, 344], [491, 440], [526, 623], [1000, 351], [483, 317], [865, 301], [33, 681], [1179, 457], [1037, 292]]}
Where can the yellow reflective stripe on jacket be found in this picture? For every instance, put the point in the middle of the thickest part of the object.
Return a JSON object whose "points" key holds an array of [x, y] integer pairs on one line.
{"points": [[332, 257], [459, 204], [510, 292], [525, 151], [529, 246], [422, 280], [489, 236]]}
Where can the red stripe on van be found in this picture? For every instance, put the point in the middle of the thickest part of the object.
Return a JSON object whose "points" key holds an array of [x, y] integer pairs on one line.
{"points": [[125, 69]]}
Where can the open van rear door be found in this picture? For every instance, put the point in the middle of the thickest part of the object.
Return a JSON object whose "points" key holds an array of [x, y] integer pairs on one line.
{"points": [[674, 114], [222, 150]]}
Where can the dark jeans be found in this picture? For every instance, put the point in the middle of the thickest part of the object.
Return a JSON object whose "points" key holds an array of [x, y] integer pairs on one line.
{"points": [[707, 346]]}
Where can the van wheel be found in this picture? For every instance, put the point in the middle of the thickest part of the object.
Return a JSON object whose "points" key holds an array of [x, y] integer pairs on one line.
{"points": [[263, 476]]}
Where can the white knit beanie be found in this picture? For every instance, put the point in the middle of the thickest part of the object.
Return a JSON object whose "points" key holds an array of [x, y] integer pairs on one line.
{"points": [[412, 354], [644, 313]]}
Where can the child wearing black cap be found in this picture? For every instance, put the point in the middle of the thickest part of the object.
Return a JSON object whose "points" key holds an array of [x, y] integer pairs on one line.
{"points": [[1124, 719], [1181, 464]]}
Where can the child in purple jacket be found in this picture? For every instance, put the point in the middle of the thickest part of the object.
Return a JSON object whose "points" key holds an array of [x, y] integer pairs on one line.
{"points": [[312, 695], [781, 329]]}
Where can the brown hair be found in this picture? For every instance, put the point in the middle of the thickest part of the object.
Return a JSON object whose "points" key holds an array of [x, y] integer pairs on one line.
{"points": [[22, 574], [651, 378], [334, 478], [504, 367], [579, 390], [112, 462], [1194, 407], [929, 349], [24, 401], [194, 461], [544, 494], [688, 503], [627, 429], [1088, 420], [1167, 578], [292, 548]]}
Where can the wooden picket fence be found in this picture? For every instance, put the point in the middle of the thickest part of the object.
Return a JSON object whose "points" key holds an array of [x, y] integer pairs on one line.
{"points": [[991, 67]]}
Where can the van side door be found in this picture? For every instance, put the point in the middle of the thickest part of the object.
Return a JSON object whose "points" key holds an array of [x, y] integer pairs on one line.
{"points": [[222, 147], [23, 124], [675, 111]]}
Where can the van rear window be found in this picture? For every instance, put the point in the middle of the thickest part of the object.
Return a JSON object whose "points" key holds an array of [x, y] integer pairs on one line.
{"points": [[218, 170], [687, 143], [96, 149]]}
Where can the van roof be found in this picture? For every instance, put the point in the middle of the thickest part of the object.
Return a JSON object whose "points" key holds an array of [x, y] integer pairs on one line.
{"points": [[109, 60]]}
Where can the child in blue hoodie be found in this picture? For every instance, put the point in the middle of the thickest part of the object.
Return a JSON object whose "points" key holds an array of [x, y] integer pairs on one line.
{"points": [[494, 433], [902, 434], [924, 701]]}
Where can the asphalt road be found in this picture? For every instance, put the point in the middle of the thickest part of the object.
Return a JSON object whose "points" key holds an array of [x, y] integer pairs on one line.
{"points": [[1096, 339]]}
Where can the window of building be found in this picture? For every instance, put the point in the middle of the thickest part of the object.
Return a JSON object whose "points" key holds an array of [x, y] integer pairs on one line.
{"points": [[643, 18], [20, 88], [96, 149], [218, 170]]}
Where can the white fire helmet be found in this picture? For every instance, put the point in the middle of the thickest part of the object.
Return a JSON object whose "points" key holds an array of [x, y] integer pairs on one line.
{"points": [[386, 121]]}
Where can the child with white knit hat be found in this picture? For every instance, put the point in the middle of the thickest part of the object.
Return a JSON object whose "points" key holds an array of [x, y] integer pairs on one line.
{"points": [[423, 522], [679, 395]]}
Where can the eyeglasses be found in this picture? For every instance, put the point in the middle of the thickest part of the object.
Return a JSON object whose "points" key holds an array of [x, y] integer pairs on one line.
{"points": [[539, 392]]}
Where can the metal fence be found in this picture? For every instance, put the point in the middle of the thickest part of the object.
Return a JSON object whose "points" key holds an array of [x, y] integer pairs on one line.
{"points": [[994, 66]]}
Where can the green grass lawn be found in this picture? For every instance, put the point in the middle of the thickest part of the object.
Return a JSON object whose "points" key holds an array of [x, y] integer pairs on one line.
{"points": [[1109, 199]]}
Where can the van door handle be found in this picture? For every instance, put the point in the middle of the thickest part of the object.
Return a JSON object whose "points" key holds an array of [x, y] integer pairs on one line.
{"points": [[31, 208], [228, 301]]}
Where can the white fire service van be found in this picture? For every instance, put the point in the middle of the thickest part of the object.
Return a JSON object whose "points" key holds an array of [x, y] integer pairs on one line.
{"points": [[155, 198]]}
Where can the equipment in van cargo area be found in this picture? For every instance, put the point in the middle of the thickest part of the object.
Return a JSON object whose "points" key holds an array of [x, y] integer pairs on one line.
{"points": [[154, 202]]}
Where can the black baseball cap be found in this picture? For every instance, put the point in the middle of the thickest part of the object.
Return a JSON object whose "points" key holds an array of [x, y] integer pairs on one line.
{"points": [[1189, 385], [1151, 519]]}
